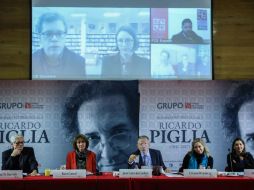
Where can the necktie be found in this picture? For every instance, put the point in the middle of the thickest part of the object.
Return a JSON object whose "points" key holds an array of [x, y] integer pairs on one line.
{"points": [[145, 160]]}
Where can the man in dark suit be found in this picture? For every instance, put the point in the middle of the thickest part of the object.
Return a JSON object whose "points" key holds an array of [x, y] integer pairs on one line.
{"points": [[19, 157], [145, 156]]}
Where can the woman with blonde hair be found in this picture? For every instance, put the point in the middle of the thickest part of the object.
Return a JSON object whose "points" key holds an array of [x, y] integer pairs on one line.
{"points": [[198, 157]]}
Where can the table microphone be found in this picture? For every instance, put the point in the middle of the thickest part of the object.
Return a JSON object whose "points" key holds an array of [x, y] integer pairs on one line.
{"points": [[230, 159]]}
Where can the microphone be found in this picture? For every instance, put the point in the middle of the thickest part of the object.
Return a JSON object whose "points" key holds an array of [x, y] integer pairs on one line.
{"points": [[230, 159]]}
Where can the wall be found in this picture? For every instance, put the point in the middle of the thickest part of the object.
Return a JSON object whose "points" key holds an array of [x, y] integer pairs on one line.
{"points": [[233, 22], [14, 39]]}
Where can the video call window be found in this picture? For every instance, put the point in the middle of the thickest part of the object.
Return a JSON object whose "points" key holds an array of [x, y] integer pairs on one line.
{"points": [[119, 40]]}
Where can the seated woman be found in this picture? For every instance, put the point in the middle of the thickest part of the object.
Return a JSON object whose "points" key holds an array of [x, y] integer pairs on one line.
{"points": [[239, 159], [198, 157], [80, 157]]}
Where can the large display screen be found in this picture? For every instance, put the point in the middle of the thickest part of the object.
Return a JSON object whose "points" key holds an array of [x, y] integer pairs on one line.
{"points": [[121, 39]]}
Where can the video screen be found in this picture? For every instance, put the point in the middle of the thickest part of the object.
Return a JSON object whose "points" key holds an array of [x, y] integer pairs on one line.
{"points": [[121, 40]]}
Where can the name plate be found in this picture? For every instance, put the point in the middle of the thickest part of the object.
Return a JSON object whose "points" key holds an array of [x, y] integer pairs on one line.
{"points": [[230, 174], [69, 173], [210, 173], [249, 172], [135, 173], [11, 174]]}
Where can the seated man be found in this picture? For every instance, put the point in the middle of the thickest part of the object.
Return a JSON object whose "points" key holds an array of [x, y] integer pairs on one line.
{"points": [[146, 156], [19, 157]]}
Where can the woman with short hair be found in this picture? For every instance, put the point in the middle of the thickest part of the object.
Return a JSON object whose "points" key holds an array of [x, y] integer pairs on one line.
{"points": [[126, 62], [81, 157]]}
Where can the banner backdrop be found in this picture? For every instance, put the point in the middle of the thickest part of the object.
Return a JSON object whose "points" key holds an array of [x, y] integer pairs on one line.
{"points": [[49, 114], [173, 113], [33, 108]]}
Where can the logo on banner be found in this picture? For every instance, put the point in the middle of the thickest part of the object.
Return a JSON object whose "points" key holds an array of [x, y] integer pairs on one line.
{"points": [[33, 106], [20, 105], [179, 105]]}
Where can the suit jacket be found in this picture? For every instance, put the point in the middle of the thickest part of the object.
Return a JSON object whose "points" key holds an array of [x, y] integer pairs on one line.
{"points": [[26, 162], [90, 161], [188, 73], [156, 159], [235, 165], [112, 67], [180, 38], [72, 66]]}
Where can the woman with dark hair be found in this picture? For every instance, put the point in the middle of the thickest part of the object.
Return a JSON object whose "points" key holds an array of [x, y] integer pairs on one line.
{"points": [[126, 63], [198, 157], [239, 159], [80, 157]]}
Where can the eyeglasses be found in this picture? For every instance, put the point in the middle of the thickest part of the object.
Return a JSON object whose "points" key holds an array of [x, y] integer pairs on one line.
{"points": [[50, 34], [126, 40], [18, 143], [118, 141]]}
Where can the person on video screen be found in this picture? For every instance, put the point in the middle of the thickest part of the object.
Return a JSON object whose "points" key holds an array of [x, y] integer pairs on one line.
{"points": [[106, 112], [187, 35], [185, 68], [203, 66], [164, 68], [126, 63], [54, 59]]}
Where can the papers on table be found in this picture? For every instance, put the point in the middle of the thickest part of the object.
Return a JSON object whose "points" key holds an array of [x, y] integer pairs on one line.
{"points": [[174, 174]]}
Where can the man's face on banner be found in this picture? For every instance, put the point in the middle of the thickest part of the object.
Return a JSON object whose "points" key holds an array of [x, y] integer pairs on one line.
{"points": [[105, 121], [246, 121]]}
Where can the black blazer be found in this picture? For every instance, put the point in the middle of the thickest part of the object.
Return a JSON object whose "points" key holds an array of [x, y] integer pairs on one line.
{"points": [[26, 162], [235, 165], [180, 38], [156, 159], [111, 67]]}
